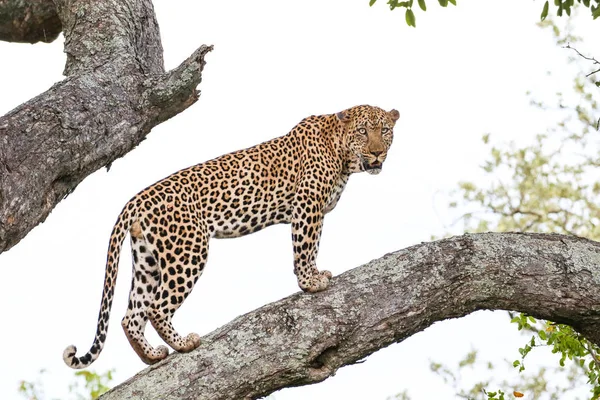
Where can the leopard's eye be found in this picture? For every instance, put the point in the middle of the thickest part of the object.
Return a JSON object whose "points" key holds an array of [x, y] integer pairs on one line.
{"points": [[384, 130], [362, 130]]}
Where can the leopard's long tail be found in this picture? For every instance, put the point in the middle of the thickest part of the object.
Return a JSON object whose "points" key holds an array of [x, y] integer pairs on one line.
{"points": [[117, 236]]}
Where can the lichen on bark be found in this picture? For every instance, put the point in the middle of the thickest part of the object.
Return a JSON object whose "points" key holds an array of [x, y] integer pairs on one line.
{"points": [[24, 21]]}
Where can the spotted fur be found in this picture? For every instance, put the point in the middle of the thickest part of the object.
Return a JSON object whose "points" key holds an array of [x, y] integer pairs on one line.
{"points": [[296, 178]]}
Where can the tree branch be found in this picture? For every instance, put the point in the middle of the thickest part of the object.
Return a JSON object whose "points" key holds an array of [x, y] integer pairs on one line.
{"points": [[306, 338], [115, 92], [173, 92], [27, 21], [592, 59]]}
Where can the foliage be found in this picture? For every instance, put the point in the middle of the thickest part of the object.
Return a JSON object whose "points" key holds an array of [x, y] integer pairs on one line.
{"points": [[563, 340], [561, 7], [33, 390], [94, 384], [532, 385], [400, 396], [408, 5], [88, 385], [551, 185]]}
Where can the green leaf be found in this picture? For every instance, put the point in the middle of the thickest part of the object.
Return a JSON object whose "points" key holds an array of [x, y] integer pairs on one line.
{"points": [[542, 334], [443, 3], [452, 1], [371, 2], [422, 5], [596, 12], [545, 11], [410, 18]]}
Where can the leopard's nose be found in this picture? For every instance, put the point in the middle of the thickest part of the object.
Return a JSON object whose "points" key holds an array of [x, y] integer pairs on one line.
{"points": [[376, 153]]}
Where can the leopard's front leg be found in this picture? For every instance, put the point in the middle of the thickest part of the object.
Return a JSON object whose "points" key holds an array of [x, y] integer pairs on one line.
{"points": [[307, 222]]}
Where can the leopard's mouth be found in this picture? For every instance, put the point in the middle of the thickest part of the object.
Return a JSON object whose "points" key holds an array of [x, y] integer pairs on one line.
{"points": [[372, 168]]}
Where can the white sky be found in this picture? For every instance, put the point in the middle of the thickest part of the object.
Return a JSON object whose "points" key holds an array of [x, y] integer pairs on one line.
{"points": [[462, 73]]}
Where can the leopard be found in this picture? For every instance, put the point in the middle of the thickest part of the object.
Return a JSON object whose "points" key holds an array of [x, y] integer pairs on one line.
{"points": [[293, 179]]}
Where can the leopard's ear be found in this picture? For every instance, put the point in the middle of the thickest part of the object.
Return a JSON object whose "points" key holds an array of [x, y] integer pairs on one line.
{"points": [[343, 117], [394, 115]]}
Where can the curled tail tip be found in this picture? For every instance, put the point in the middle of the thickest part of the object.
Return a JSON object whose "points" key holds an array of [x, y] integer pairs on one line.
{"points": [[71, 360], [69, 355]]}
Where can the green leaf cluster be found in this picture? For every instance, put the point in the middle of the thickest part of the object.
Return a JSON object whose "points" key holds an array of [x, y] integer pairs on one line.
{"points": [[499, 395], [567, 343], [527, 385], [94, 384], [409, 14], [561, 7], [87, 385], [566, 6]]}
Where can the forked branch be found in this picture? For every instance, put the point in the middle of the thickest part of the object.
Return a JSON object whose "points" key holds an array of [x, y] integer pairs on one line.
{"points": [[115, 92]]}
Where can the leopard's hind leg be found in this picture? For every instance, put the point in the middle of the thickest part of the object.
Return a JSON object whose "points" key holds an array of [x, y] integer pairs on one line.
{"points": [[144, 283], [182, 259]]}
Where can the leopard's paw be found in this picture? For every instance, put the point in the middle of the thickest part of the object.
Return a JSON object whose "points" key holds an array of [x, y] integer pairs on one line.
{"points": [[155, 355], [319, 282], [192, 341], [326, 273]]}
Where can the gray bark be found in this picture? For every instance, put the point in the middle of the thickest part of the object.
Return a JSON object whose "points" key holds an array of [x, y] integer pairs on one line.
{"points": [[29, 21], [306, 338], [116, 90]]}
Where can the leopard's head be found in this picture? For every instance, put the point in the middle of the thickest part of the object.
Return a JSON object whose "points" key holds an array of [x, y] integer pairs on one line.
{"points": [[368, 136]]}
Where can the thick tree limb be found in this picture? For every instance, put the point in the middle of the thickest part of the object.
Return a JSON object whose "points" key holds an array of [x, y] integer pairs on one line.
{"points": [[29, 21], [305, 338], [115, 92]]}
